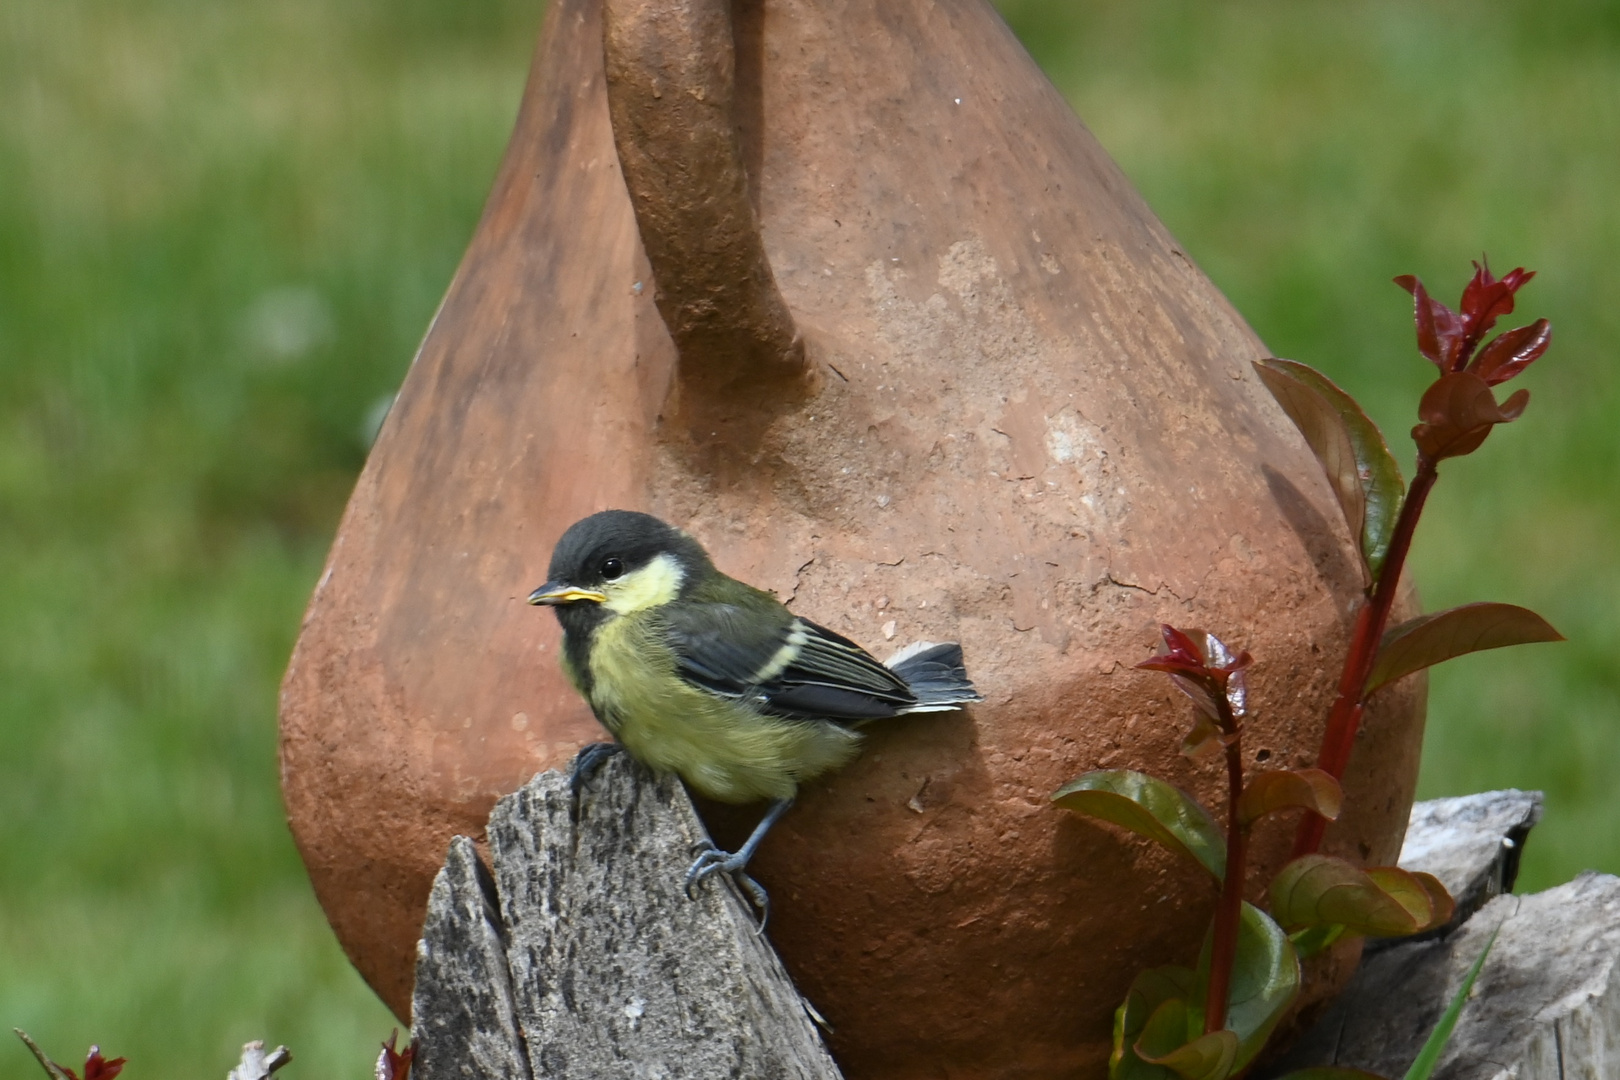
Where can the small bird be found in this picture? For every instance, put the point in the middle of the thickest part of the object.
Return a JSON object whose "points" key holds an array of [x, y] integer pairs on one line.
{"points": [[696, 673]]}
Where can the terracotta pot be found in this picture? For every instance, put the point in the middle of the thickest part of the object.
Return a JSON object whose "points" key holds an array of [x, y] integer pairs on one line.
{"points": [[916, 357]]}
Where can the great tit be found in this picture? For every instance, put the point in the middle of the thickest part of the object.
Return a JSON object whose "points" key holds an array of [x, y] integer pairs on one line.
{"points": [[696, 673]]}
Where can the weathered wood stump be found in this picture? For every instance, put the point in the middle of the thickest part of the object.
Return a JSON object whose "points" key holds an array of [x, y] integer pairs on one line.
{"points": [[582, 956], [1472, 843], [258, 1063], [1547, 1003]]}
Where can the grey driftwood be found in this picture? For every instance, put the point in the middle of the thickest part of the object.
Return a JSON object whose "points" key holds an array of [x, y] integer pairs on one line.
{"points": [[1472, 843], [581, 956], [258, 1063], [1547, 1003]]}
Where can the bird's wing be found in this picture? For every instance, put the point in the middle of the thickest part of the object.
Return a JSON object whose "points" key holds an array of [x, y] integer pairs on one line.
{"points": [[795, 668]]}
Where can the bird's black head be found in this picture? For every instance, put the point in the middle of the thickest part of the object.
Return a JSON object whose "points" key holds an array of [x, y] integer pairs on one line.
{"points": [[617, 562]]}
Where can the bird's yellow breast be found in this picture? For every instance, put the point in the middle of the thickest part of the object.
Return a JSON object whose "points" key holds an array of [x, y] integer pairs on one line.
{"points": [[723, 748]]}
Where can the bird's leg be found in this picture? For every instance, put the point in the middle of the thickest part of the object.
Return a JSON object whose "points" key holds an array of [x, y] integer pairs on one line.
{"points": [[715, 861], [592, 757]]}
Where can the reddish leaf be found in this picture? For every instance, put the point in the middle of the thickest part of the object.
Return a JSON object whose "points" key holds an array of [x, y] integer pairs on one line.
{"points": [[1449, 337], [1237, 687], [1350, 449], [1458, 411], [1486, 299], [1203, 668], [1430, 639], [1318, 890], [394, 1064], [1512, 352], [1179, 653], [1439, 329], [97, 1067], [1148, 807], [1307, 789], [1196, 653]]}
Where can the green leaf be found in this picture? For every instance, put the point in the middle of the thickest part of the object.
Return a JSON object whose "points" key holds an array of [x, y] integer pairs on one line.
{"points": [[1205, 738], [1314, 939], [1165, 1042], [1159, 1036], [1319, 890], [1149, 991], [1405, 885], [1265, 981], [1284, 789], [1435, 1045], [1169, 1028], [1148, 807], [1127, 1066], [1350, 448], [1429, 639], [1331, 1072]]}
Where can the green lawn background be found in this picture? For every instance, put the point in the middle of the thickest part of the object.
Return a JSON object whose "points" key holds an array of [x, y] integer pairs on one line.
{"points": [[223, 228]]}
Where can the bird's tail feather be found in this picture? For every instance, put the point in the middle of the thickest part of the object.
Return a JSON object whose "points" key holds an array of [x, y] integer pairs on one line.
{"points": [[935, 674]]}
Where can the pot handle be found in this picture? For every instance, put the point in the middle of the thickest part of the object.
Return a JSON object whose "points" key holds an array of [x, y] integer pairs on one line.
{"points": [[671, 86]]}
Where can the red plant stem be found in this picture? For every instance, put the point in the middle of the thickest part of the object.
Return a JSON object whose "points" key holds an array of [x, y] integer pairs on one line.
{"points": [[1229, 911], [1340, 737]]}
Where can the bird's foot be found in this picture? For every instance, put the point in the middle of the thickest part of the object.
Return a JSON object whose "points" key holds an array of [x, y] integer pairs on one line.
{"points": [[591, 758], [711, 860]]}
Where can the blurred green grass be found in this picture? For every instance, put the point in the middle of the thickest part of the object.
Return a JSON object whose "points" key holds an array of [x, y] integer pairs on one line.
{"points": [[223, 228]]}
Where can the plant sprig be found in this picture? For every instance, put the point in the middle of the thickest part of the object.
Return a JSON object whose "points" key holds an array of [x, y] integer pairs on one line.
{"points": [[1211, 1022]]}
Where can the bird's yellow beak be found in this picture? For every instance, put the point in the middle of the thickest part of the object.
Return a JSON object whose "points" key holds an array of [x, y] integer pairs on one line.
{"points": [[553, 593]]}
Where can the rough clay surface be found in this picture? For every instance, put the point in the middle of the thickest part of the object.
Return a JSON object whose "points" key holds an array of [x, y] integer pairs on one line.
{"points": [[614, 971], [671, 86], [1033, 429]]}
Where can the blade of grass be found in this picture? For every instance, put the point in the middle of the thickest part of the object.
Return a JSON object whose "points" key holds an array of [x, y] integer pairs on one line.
{"points": [[1423, 1065]]}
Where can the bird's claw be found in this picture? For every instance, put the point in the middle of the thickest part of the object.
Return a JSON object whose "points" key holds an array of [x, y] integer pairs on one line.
{"points": [[585, 764], [712, 861]]}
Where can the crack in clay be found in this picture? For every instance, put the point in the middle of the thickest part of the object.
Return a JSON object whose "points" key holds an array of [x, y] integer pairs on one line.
{"points": [[1108, 578], [798, 579]]}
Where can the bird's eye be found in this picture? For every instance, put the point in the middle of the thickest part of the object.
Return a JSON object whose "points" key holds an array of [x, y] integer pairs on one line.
{"points": [[611, 569]]}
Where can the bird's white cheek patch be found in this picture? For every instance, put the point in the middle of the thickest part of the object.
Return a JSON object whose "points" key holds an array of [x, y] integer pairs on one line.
{"points": [[657, 583]]}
